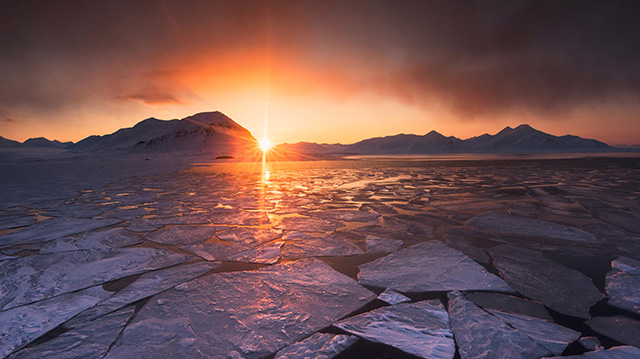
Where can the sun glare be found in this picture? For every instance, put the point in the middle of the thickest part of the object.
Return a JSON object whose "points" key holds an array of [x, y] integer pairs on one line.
{"points": [[264, 144]]}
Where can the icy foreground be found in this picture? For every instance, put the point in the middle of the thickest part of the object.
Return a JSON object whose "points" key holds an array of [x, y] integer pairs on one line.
{"points": [[259, 312], [322, 259], [421, 328]]}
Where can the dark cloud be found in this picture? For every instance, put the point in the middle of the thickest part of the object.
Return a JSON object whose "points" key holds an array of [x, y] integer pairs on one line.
{"points": [[476, 57], [10, 120]]}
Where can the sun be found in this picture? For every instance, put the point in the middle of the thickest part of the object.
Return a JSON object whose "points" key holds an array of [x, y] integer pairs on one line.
{"points": [[264, 144]]}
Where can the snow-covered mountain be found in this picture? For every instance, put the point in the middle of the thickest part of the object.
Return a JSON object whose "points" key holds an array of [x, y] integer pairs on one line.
{"points": [[206, 132], [7, 143], [126, 138], [41, 142], [522, 139]]}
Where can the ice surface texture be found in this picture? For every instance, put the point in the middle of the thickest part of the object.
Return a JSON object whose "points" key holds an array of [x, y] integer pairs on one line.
{"points": [[623, 284], [429, 266], [247, 314], [319, 345]]}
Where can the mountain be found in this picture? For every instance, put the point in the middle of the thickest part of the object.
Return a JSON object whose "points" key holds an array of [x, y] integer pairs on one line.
{"points": [[41, 142], [126, 138], [522, 139], [206, 132], [7, 143]]}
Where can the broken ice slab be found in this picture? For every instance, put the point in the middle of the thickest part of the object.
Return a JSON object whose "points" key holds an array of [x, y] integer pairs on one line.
{"points": [[509, 304], [626, 220], [248, 314], [420, 328], [464, 246], [392, 297], [246, 218], [22, 325], [622, 352], [215, 251], [618, 327], [319, 345], [509, 224], [480, 334], [429, 266], [346, 215], [249, 236], [29, 279], [553, 337], [382, 245], [181, 235], [411, 227], [53, 228], [8, 222], [308, 224], [149, 284], [151, 224], [5, 257], [323, 246], [104, 239], [623, 284], [537, 277], [268, 253], [89, 340], [590, 343]]}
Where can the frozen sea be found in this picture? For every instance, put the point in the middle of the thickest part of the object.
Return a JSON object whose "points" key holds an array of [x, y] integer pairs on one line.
{"points": [[384, 257]]}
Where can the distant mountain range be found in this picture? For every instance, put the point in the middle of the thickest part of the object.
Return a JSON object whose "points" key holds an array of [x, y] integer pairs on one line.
{"points": [[38, 142], [215, 133], [522, 139]]}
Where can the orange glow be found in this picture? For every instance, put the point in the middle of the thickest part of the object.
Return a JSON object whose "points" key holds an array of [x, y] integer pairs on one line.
{"points": [[264, 144]]}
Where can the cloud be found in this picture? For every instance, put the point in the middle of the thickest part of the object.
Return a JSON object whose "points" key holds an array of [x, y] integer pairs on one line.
{"points": [[152, 96], [10, 120]]}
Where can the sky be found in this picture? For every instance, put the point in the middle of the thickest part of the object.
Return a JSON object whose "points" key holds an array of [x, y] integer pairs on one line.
{"points": [[322, 71]]}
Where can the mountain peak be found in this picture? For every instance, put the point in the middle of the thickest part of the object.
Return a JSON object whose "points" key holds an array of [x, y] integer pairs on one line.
{"points": [[524, 126]]}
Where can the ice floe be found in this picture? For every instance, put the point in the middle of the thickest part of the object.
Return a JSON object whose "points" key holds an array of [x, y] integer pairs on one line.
{"points": [[420, 328], [392, 297], [181, 235], [623, 284], [105, 239], [382, 245], [480, 334], [429, 266], [308, 224], [248, 236], [147, 285], [539, 278], [20, 326], [53, 228], [622, 352], [504, 223], [248, 314], [346, 215], [323, 246], [268, 253], [509, 304], [319, 345], [618, 327], [89, 340], [29, 279]]}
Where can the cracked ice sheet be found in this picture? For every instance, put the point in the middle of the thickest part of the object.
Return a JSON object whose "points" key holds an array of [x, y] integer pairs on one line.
{"points": [[382, 245], [623, 284], [248, 236], [537, 277], [181, 235], [105, 239], [215, 251], [53, 228], [268, 253], [22, 325], [8, 222], [618, 327], [308, 224], [90, 340], [346, 215], [482, 335], [509, 224], [29, 279], [623, 352], [392, 297], [420, 328], [509, 304], [248, 314], [553, 337], [324, 246], [246, 218], [319, 345], [429, 266], [149, 284]]}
